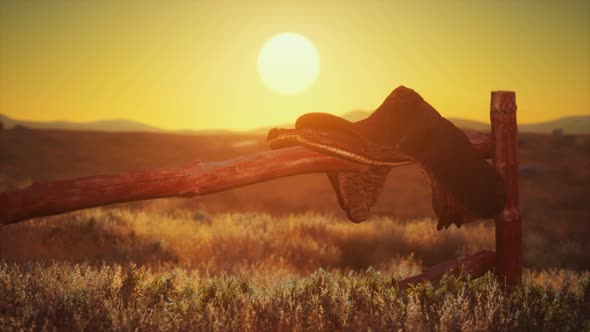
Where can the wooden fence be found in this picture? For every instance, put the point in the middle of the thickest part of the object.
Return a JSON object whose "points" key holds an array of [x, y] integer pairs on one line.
{"points": [[49, 198]]}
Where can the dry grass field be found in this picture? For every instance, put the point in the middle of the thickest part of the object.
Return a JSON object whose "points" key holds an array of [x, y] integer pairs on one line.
{"points": [[63, 296], [279, 255], [125, 270]]}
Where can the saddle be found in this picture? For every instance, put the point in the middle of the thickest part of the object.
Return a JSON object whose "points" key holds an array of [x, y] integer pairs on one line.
{"points": [[404, 129]]}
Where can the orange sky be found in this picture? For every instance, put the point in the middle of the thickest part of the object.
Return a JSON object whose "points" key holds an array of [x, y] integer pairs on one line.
{"points": [[184, 64]]}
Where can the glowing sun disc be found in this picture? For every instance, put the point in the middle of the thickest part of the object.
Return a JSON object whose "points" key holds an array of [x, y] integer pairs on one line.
{"points": [[288, 63]]}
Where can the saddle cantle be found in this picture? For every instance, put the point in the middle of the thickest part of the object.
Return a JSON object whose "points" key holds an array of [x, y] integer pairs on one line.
{"points": [[404, 129]]}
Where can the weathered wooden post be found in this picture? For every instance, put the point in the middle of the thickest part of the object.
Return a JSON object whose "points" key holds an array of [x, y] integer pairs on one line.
{"points": [[508, 222]]}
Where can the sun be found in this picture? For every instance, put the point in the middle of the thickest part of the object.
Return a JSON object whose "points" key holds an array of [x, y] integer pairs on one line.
{"points": [[288, 63]]}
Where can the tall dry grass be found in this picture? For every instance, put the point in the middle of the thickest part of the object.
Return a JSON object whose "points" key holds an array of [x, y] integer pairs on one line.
{"points": [[233, 242], [105, 269], [64, 296]]}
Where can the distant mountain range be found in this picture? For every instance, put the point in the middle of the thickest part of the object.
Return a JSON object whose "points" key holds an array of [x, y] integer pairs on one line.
{"points": [[102, 125], [569, 125]]}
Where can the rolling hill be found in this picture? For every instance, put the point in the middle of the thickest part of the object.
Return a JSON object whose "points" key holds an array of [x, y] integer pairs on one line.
{"points": [[102, 125], [575, 125], [570, 125]]}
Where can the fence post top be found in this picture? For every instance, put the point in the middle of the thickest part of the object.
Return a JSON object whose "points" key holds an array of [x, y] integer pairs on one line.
{"points": [[503, 101], [503, 92]]}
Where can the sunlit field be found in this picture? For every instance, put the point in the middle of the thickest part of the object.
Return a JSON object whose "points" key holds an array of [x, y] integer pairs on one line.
{"points": [[258, 242], [279, 255], [65, 296], [123, 269]]}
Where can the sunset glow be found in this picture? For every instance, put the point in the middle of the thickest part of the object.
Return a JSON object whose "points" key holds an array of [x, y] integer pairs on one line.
{"points": [[288, 63], [196, 65]]}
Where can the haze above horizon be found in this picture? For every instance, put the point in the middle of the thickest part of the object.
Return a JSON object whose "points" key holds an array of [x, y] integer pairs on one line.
{"points": [[179, 65]]}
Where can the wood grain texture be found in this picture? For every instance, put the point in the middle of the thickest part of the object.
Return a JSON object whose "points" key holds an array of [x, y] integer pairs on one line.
{"points": [[505, 159], [49, 198]]}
